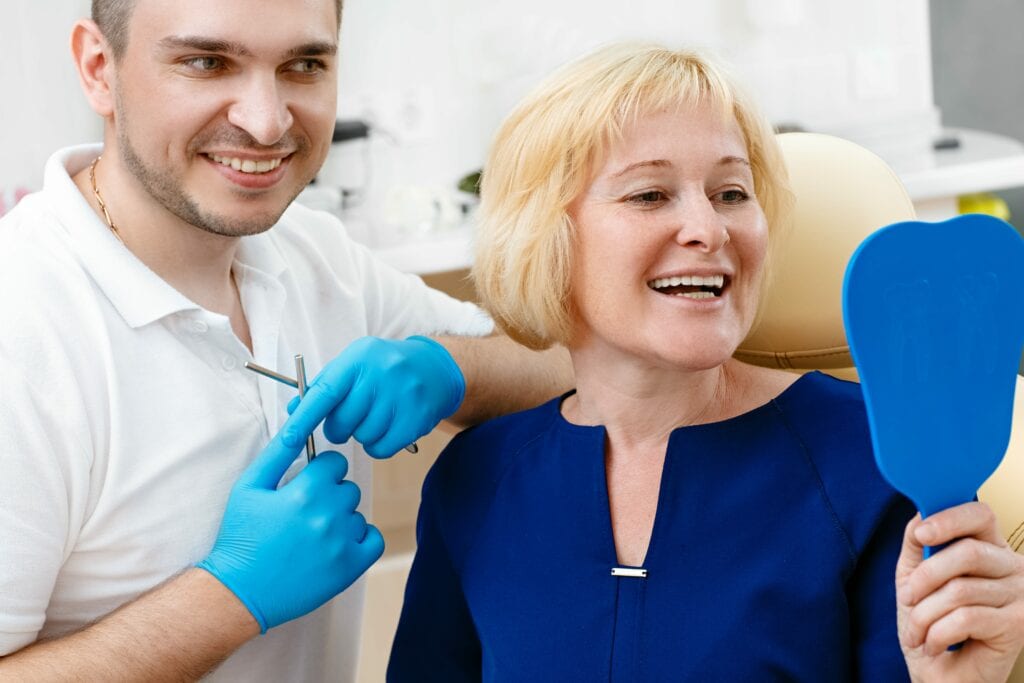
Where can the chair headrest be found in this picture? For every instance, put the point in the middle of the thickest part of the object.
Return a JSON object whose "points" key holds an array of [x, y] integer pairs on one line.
{"points": [[842, 193]]}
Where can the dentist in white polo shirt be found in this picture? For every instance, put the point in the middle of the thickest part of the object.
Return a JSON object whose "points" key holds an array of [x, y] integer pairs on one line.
{"points": [[155, 517]]}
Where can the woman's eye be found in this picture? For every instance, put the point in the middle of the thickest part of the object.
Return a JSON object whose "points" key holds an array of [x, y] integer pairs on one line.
{"points": [[733, 196], [647, 198]]}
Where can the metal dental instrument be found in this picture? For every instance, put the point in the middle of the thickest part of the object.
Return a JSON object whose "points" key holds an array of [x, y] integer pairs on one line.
{"points": [[284, 379], [259, 369], [300, 374]]}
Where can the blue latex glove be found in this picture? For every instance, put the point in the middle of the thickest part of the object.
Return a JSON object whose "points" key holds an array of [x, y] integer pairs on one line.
{"points": [[384, 392], [284, 552]]}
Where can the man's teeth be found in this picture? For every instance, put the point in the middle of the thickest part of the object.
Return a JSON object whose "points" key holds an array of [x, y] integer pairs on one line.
{"points": [[690, 280], [247, 165]]}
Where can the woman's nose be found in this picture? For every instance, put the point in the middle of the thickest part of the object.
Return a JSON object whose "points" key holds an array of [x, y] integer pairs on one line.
{"points": [[699, 226], [260, 111]]}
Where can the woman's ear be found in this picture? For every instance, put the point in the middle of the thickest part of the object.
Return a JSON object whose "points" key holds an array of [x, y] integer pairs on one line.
{"points": [[94, 62]]}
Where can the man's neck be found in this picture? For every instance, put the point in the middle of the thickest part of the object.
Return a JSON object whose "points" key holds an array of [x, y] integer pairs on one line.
{"points": [[195, 262]]}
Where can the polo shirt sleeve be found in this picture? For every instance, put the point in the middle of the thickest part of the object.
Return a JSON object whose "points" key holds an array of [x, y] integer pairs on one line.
{"points": [[400, 304], [395, 304], [35, 508]]}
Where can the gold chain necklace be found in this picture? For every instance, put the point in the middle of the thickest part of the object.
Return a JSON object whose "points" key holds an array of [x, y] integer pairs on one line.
{"points": [[99, 200]]}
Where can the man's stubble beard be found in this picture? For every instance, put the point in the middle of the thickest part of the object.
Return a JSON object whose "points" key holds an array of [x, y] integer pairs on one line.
{"points": [[169, 191]]}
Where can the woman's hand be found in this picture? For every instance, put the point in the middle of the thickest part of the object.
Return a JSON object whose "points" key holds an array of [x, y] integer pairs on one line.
{"points": [[972, 591]]}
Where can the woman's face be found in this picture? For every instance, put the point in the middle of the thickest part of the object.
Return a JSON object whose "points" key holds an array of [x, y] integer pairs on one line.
{"points": [[670, 243]]}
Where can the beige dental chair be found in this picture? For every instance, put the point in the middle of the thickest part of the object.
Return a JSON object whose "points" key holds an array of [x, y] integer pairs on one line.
{"points": [[843, 194]]}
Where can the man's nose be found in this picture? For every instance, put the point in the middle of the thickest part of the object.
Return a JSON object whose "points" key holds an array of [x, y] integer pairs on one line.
{"points": [[260, 110]]}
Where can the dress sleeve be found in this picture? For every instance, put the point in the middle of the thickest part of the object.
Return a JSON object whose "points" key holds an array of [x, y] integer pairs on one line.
{"points": [[871, 593], [436, 638]]}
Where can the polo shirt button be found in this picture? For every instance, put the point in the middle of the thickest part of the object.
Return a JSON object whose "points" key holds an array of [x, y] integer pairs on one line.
{"points": [[229, 363], [199, 327]]}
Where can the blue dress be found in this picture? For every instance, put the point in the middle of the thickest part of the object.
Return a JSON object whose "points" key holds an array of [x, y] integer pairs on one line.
{"points": [[772, 556]]}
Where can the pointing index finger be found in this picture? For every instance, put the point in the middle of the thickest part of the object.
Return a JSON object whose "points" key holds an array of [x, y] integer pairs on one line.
{"points": [[322, 396]]}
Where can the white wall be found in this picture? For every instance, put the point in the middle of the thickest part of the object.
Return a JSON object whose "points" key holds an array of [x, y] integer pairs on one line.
{"points": [[440, 75], [41, 104]]}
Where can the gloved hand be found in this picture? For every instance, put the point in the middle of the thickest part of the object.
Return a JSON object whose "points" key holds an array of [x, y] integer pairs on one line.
{"points": [[284, 552], [384, 392]]}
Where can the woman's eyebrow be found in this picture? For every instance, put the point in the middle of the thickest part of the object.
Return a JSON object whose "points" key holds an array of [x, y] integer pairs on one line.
{"points": [[664, 163], [725, 161], [656, 163]]}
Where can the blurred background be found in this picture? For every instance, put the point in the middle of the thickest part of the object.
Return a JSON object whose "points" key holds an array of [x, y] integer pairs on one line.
{"points": [[433, 80], [933, 87]]}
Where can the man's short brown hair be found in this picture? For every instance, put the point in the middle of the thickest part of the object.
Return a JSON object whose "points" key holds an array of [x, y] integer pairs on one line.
{"points": [[112, 16]]}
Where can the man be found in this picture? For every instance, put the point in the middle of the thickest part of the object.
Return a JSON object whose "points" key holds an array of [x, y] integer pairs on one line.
{"points": [[148, 530]]}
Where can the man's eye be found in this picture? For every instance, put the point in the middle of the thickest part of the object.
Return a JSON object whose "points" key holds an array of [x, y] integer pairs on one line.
{"points": [[205, 63], [647, 198], [308, 66]]}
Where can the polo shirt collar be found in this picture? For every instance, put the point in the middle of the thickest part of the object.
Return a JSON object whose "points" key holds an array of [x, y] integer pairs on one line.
{"points": [[138, 294]]}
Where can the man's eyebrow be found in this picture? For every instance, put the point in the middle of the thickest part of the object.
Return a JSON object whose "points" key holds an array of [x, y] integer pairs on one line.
{"points": [[314, 49], [203, 45], [321, 48]]}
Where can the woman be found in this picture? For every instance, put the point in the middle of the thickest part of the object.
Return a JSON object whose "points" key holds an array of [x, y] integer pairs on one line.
{"points": [[680, 515]]}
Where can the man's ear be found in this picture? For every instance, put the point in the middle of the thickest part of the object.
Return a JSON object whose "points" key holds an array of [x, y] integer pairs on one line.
{"points": [[94, 62]]}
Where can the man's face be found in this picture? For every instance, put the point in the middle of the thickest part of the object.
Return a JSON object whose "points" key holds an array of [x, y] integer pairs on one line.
{"points": [[225, 110]]}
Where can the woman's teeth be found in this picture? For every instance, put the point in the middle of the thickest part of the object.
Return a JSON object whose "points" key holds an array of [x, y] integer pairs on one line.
{"points": [[689, 280], [690, 286], [247, 165]]}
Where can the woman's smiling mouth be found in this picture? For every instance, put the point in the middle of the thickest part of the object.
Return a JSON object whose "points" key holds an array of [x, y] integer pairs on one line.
{"points": [[691, 286]]}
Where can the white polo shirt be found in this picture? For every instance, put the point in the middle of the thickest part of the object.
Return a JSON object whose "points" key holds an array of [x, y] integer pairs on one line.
{"points": [[126, 413]]}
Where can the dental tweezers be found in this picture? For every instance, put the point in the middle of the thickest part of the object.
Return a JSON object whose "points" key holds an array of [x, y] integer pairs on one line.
{"points": [[300, 384]]}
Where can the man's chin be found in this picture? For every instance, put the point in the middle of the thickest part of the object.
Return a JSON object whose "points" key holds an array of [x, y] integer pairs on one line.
{"points": [[236, 226]]}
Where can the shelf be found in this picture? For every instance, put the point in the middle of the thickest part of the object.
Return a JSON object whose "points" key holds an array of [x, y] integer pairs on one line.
{"points": [[984, 162]]}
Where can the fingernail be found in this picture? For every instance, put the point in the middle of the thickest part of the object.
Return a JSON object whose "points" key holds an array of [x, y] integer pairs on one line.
{"points": [[926, 533]]}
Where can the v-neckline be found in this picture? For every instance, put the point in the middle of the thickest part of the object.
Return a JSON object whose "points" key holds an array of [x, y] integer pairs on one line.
{"points": [[605, 511], [658, 514]]}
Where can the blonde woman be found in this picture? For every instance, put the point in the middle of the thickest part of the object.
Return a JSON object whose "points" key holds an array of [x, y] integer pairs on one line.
{"points": [[680, 515]]}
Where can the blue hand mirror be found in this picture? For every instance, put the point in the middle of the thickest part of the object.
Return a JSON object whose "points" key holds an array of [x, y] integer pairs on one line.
{"points": [[934, 315]]}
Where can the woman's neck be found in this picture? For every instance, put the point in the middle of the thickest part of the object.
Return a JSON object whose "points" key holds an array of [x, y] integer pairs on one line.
{"points": [[639, 404], [645, 403]]}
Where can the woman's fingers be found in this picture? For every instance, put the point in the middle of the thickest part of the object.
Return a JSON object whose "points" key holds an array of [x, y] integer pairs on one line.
{"points": [[966, 557], [971, 590], [975, 549], [970, 519], [958, 593], [979, 625]]}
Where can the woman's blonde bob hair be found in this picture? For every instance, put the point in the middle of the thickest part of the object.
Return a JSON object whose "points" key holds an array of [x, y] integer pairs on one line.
{"points": [[546, 151]]}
